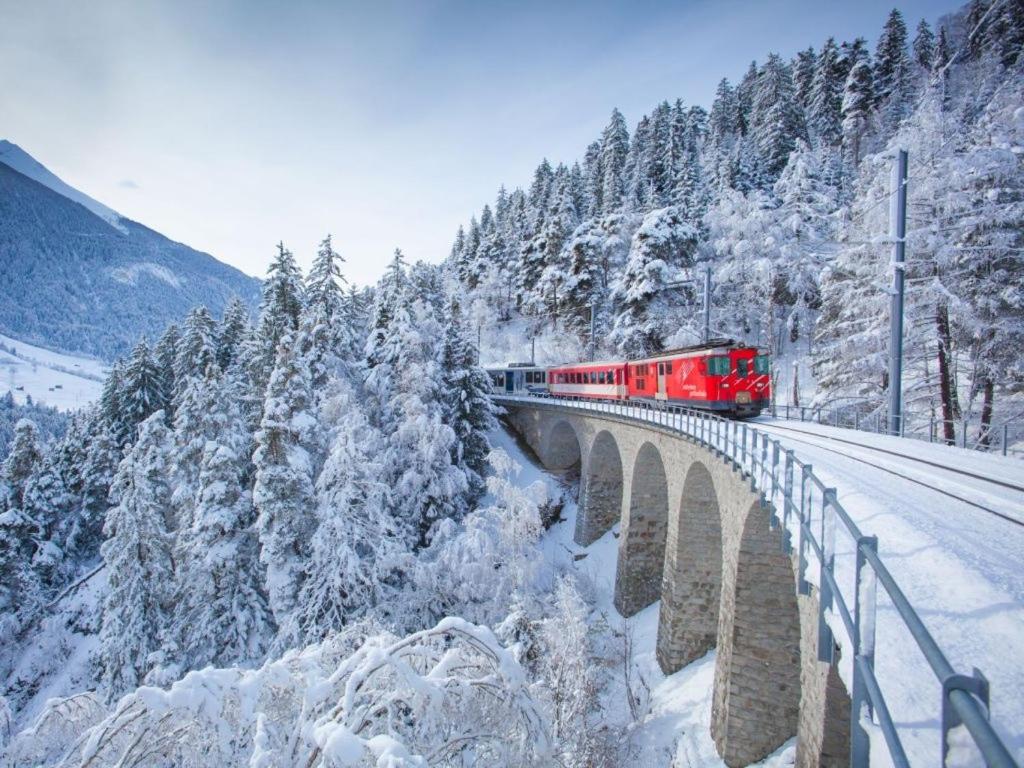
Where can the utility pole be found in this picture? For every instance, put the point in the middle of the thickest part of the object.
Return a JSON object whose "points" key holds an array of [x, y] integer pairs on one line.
{"points": [[897, 232], [707, 304], [593, 330]]}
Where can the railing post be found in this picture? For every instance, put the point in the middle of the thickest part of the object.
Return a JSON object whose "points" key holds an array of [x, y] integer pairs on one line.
{"points": [[804, 511], [773, 519], [975, 685], [787, 501], [1005, 436], [856, 420], [801, 413], [826, 642], [743, 449], [865, 602], [965, 433]]}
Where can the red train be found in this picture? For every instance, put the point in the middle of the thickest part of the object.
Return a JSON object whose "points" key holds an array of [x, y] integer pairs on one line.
{"points": [[722, 376]]}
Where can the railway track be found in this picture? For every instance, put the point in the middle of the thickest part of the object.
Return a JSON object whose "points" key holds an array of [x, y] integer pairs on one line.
{"points": [[822, 442]]}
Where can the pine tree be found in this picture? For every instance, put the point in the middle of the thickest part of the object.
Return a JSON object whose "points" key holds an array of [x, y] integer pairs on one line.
{"points": [[539, 196], [805, 68], [824, 111], [593, 174], [283, 489], [197, 348], [467, 403], [663, 244], [639, 184], [924, 46], [111, 407], [137, 553], [776, 122], [102, 456], [279, 312], [223, 618], [891, 60], [165, 354], [233, 333], [356, 548], [47, 502], [858, 97], [325, 337], [428, 486], [614, 149], [142, 386], [19, 532]]}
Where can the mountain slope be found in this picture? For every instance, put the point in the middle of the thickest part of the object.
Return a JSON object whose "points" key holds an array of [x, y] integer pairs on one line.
{"points": [[15, 157], [72, 280]]}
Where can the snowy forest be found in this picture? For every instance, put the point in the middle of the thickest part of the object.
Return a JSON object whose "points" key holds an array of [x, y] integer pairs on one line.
{"points": [[782, 188], [289, 540]]}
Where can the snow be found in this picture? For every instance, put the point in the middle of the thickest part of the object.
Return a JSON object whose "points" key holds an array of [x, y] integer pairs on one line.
{"points": [[58, 379], [129, 274], [958, 565]]}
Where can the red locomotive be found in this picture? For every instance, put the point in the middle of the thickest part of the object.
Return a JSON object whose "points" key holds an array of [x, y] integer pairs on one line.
{"points": [[721, 376]]}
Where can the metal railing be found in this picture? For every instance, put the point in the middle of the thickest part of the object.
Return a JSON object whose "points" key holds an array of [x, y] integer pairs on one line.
{"points": [[811, 510], [997, 438]]}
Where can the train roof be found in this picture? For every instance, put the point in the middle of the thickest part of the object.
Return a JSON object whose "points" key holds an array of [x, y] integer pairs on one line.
{"points": [[710, 346]]}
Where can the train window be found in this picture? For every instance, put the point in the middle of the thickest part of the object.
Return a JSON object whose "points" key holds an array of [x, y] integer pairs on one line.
{"points": [[600, 378], [543, 377], [668, 367], [718, 366], [529, 377], [741, 368], [593, 377], [661, 369], [761, 364]]}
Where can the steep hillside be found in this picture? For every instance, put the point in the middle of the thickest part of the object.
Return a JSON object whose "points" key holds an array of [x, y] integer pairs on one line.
{"points": [[74, 281]]}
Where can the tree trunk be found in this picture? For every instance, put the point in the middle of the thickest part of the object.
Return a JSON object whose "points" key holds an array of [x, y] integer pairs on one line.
{"points": [[986, 414], [796, 386], [947, 389]]}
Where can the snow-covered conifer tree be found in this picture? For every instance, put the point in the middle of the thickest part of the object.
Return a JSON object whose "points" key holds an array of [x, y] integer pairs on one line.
{"points": [[137, 553], [662, 245], [428, 486], [142, 387], [467, 404], [356, 547], [283, 489]]}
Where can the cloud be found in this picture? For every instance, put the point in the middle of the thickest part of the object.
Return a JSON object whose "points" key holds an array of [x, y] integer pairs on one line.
{"points": [[127, 184]]}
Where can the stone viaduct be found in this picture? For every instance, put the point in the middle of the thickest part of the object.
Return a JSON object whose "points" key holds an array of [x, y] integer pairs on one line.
{"points": [[695, 536]]}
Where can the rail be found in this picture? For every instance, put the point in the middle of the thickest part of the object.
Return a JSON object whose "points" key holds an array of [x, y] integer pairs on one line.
{"points": [[811, 510], [996, 437]]}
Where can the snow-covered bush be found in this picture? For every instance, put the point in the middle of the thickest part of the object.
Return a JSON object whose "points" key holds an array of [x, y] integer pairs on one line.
{"points": [[436, 697]]}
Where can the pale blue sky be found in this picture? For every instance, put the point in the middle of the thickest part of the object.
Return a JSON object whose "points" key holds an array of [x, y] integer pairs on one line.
{"points": [[231, 125]]}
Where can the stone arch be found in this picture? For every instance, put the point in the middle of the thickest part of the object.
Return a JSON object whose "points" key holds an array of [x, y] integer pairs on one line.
{"points": [[757, 672], [692, 582], [644, 528], [562, 448], [601, 505]]}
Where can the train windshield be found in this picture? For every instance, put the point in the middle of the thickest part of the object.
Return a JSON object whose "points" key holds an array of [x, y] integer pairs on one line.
{"points": [[761, 364]]}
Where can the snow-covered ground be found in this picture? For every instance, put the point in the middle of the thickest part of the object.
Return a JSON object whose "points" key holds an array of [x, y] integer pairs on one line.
{"points": [[67, 382], [961, 567], [677, 721]]}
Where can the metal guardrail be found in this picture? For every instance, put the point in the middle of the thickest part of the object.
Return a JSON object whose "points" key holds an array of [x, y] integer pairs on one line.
{"points": [[811, 509], [996, 438]]}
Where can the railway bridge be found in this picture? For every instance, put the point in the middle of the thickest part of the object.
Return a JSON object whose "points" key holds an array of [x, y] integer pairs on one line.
{"points": [[697, 537], [736, 538]]}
